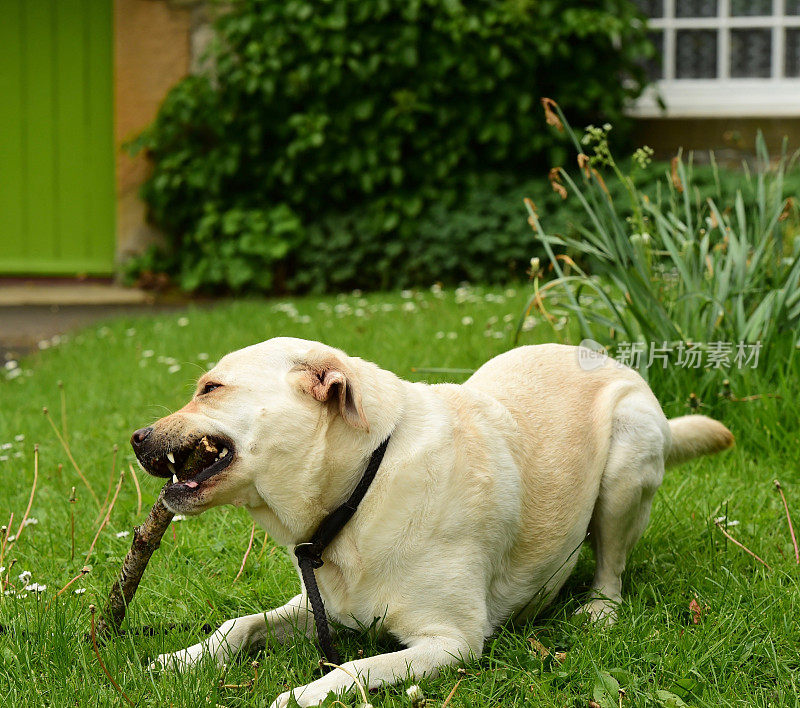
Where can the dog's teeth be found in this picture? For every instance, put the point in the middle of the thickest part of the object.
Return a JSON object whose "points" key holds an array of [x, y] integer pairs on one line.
{"points": [[174, 479], [224, 452], [171, 467], [171, 457]]}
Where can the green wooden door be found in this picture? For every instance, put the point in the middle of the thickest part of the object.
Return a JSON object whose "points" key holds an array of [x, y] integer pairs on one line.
{"points": [[56, 137]]}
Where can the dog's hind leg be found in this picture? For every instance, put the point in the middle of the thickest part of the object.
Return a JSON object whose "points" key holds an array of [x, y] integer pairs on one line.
{"points": [[633, 473], [243, 632]]}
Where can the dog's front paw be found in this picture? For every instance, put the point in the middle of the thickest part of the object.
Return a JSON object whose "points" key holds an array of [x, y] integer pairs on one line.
{"points": [[281, 701], [177, 661], [305, 696]]}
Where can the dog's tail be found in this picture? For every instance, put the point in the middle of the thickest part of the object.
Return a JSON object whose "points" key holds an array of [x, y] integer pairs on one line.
{"points": [[695, 435]]}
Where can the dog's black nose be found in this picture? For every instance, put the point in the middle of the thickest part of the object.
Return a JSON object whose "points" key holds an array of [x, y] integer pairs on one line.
{"points": [[140, 436]]}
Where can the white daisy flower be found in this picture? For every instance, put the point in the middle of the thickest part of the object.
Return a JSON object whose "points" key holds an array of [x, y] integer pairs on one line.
{"points": [[25, 575], [174, 369], [415, 695], [123, 534], [183, 322]]}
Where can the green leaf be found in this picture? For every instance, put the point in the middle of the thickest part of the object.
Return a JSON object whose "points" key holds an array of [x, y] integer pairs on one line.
{"points": [[669, 700], [606, 690]]}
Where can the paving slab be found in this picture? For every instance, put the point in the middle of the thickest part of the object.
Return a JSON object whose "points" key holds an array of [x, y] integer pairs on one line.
{"points": [[32, 312], [16, 294]]}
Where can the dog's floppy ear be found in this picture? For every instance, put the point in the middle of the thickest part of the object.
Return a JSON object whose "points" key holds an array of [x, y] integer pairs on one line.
{"points": [[328, 380]]}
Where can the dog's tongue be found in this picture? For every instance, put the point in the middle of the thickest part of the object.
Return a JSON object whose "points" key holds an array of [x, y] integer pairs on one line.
{"points": [[191, 484]]}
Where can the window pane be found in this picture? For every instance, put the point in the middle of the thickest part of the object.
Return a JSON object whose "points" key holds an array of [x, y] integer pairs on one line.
{"points": [[696, 54], [793, 7], [751, 7], [653, 65], [751, 53], [651, 8], [695, 8], [793, 52]]}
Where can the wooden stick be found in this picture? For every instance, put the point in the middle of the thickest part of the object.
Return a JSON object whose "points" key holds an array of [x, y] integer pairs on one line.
{"points": [[741, 545], [451, 694], [789, 519], [110, 483], [66, 447], [5, 537], [33, 491], [138, 490], [146, 539], [106, 517], [247, 552], [72, 500], [117, 687], [63, 411]]}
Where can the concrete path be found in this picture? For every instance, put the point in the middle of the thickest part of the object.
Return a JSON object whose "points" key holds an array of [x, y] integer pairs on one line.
{"points": [[34, 311]]}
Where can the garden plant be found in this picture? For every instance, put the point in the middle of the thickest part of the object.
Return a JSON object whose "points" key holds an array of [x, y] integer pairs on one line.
{"points": [[669, 264], [321, 134]]}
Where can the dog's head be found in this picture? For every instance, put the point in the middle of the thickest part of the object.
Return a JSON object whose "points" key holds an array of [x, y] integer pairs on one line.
{"points": [[270, 426]]}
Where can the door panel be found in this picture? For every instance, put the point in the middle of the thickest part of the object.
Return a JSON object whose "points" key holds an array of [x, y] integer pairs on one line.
{"points": [[57, 194]]}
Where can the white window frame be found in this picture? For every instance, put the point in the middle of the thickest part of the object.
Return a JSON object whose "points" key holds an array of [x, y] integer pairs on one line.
{"points": [[723, 96]]}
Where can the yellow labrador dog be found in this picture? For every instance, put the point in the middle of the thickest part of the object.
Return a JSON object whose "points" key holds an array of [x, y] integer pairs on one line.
{"points": [[486, 490]]}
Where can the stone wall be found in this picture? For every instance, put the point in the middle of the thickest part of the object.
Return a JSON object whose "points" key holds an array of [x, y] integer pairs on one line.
{"points": [[731, 139], [156, 43]]}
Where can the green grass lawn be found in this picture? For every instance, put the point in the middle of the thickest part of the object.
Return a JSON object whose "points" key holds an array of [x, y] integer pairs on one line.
{"points": [[743, 651]]}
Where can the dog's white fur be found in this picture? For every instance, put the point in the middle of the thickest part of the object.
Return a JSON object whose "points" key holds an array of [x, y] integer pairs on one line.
{"points": [[485, 495]]}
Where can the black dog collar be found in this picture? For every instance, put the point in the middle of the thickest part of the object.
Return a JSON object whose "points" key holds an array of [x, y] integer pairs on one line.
{"points": [[309, 554]]}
